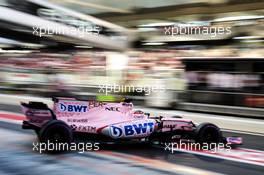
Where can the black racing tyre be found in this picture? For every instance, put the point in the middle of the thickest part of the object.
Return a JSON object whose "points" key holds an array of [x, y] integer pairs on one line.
{"points": [[208, 133], [37, 132], [55, 131]]}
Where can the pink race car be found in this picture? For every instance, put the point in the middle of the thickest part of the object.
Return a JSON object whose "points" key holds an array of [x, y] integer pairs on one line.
{"points": [[115, 121]]}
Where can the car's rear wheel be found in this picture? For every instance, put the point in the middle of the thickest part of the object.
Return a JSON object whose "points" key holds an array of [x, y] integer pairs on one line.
{"points": [[37, 132], [56, 131]]}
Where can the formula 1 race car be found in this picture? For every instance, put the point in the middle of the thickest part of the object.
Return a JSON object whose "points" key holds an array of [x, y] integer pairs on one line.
{"points": [[115, 121]]}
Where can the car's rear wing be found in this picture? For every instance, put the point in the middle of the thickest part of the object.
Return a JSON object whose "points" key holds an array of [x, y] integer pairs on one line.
{"points": [[36, 108], [37, 113]]}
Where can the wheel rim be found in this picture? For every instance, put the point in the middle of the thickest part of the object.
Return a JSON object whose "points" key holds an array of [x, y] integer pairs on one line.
{"points": [[58, 134], [211, 135]]}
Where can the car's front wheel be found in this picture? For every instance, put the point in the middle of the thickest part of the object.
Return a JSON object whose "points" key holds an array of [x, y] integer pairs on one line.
{"points": [[208, 133]]}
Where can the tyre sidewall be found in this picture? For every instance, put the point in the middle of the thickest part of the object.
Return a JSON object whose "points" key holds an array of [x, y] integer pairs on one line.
{"points": [[56, 127], [203, 129]]}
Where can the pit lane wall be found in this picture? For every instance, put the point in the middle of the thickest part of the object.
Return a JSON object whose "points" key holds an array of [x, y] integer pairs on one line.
{"points": [[80, 85], [223, 109]]}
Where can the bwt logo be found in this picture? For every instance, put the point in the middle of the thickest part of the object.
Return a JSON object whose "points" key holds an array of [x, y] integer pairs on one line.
{"points": [[132, 130], [116, 131], [72, 108]]}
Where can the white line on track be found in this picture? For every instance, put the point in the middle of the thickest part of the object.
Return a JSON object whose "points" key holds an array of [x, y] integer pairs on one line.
{"points": [[13, 113], [243, 132], [10, 120], [237, 159]]}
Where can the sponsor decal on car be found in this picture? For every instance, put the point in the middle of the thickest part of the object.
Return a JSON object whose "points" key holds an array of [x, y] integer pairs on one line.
{"points": [[132, 129], [83, 128], [72, 108], [116, 131], [38, 116], [116, 109], [169, 126], [77, 120], [95, 104], [38, 113]]}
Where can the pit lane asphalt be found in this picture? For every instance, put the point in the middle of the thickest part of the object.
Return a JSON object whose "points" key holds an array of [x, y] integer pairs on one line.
{"points": [[16, 156]]}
